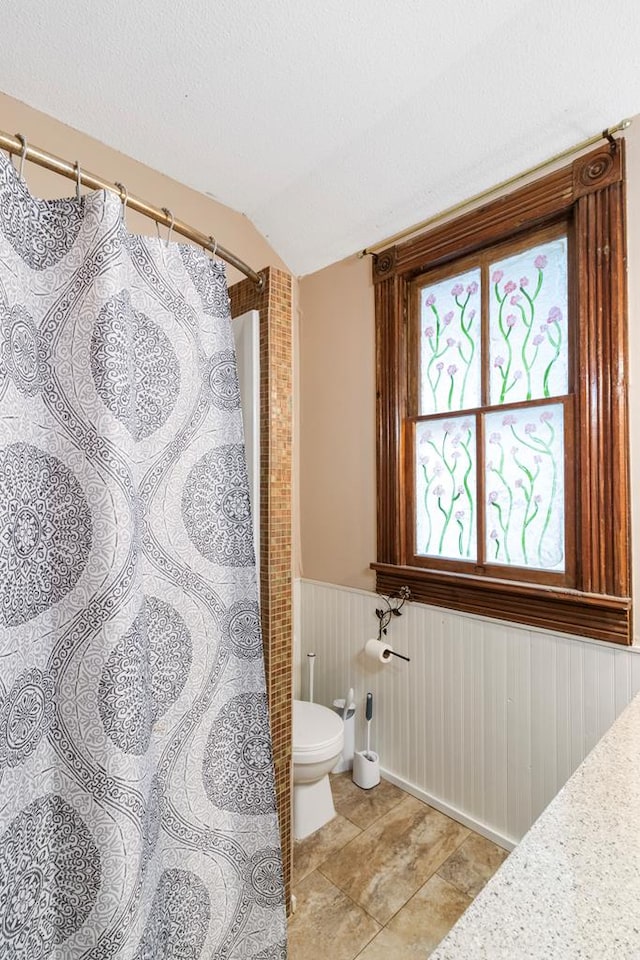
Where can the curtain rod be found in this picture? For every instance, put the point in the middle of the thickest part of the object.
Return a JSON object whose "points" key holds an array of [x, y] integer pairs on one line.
{"points": [[17, 145], [408, 231]]}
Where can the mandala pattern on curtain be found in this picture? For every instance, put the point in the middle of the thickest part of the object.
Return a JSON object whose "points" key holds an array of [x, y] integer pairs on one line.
{"points": [[137, 802]]}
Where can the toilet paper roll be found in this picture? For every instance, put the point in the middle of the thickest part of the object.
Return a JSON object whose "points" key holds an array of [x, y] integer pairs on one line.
{"points": [[378, 650]]}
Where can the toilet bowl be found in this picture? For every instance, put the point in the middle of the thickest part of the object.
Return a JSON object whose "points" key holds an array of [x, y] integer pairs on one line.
{"points": [[318, 736]]}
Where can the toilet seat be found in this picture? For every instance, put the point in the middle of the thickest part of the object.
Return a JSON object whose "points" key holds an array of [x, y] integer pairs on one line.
{"points": [[318, 733]]}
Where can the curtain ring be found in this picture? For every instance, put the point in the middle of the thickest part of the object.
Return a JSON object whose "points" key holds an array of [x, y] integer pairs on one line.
{"points": [[215, 245], [23, 153], [78, 180], [171, 217], [124, 197]]}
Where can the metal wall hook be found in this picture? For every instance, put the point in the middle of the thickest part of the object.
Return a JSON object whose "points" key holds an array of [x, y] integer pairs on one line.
{"points": [[23, 154], [170, 217]]}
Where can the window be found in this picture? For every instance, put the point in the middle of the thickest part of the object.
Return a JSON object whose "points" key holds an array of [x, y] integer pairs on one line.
{"points": [[502, 421]]}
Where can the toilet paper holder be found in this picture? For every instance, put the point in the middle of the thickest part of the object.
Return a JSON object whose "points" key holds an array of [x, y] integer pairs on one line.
{"points": [[382, 652]]}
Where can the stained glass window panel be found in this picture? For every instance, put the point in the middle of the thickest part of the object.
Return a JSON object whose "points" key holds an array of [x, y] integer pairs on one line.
{"points": [[528, 356], [450, 344], [524, 484], [446, 488]]}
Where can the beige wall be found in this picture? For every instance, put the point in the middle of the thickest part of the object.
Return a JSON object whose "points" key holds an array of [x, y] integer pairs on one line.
{"points": [[337, 409], [232, 229], [337, 424]]}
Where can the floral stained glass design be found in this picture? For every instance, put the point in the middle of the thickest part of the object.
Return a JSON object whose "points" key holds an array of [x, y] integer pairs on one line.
{"points": [[528, 324], [450, 344], [446, 488], [524, 483]]}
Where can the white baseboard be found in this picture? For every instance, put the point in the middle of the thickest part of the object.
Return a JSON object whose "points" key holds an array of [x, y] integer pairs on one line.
{"points": [[507, 843]]}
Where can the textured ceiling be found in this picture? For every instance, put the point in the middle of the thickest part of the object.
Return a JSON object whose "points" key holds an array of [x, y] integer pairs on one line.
{"points": [[329, 124]]}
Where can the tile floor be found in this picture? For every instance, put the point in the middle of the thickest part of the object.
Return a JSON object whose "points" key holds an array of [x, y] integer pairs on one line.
{"points": [[386, 879]]}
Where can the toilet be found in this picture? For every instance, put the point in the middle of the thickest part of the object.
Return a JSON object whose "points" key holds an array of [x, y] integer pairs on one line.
{"points": [[318, 737]]}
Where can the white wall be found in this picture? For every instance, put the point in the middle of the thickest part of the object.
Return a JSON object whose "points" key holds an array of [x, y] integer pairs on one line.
{"points": [[488, 720]]}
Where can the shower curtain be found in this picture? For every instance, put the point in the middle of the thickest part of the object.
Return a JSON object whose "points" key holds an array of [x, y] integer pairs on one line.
{"points": [[137, 802]]}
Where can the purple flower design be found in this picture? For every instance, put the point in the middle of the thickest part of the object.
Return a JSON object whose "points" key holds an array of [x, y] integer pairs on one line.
{"points": [[498, 362], [459, 514], [509, 420], [519, 483], [438, 491], [514, 451], [524, 281], [456, 290], [452, 369], [455, 454], [509, 287], [440, 366], [465, 425], [515, 299], [494, 534], [493, 496], [546, 415], [448, 317], [472, 288], [472, 314], [530, 428], [449, 426], [537, 498], [517, 375], [431, 299], [451, 342], [497, 276], [495, 438], [555, 315], [537, 340], [429, 332], [537, 458], [540, 262], [511, 320]]}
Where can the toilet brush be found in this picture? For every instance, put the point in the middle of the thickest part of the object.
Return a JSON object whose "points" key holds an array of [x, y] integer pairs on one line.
{"points": [[366, 763], [369, 717]]}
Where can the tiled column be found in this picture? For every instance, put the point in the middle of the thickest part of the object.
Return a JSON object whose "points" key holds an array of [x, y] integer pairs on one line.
{"points": [[274, 303]]}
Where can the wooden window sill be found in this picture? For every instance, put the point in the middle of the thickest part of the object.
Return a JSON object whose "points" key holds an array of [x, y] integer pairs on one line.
{"points": [[597, 616]]}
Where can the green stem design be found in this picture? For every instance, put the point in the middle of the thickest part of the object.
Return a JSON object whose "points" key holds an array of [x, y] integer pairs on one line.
{"points": [[499, 471], [505, 336], [434, 356], [472, 347], [450, 394], [547, 372], [428, 482], [460, 536], [552, 496], [498, 510], [465, 482]]}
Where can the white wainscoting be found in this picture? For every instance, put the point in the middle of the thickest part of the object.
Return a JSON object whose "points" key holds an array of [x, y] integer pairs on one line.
{"points": [[488, 720]]}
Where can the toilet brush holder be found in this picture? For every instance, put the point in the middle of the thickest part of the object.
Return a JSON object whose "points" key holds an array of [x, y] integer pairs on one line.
{"points": [[366, 769]]}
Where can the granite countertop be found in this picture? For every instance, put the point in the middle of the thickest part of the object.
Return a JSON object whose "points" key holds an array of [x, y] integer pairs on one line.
{"points": [[571, 888]]}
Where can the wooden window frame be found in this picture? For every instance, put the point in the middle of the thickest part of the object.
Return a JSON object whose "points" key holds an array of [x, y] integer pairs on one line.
{"points": [[589, 195]]}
